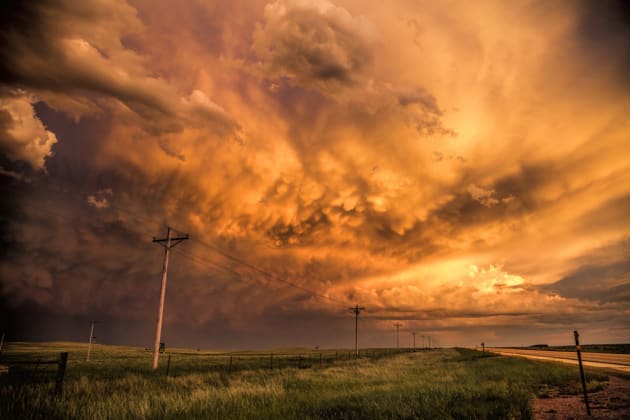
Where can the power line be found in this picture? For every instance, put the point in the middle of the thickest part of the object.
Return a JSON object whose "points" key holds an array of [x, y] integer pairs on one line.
{"points": [[265, 273], [205, 263], [201, 260]]}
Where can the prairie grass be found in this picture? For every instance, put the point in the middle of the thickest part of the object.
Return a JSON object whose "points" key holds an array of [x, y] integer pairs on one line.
{"points": [[435, 384]]}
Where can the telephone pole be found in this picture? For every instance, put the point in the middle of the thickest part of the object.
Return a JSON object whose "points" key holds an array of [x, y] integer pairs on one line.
{"points": [[168, 243], [397, 325], [87, 358], [357, 310]]}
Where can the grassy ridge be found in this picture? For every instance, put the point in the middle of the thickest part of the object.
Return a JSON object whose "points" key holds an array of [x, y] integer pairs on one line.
{"points": [[437, 384]]}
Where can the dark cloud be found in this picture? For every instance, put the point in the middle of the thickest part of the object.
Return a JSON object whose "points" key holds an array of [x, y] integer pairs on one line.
{"points": [[603, 275], [603, 30], [419, 97]]}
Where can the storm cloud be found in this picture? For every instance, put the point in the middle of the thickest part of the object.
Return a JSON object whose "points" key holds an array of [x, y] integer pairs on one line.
{"points": [[463, 169]]}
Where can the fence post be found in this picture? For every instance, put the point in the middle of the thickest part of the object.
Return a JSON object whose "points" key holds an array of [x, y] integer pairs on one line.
{"points": [[168, 365], [320, 360], [270, 361], [61, 371], [230, 365], [579, 355]]}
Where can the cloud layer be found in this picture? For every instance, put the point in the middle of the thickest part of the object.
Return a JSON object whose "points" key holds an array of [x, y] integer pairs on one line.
{"points": [[460, 167]]}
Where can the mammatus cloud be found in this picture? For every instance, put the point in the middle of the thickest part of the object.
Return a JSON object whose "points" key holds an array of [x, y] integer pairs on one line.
{"points": [[487, 197], [99, 200], [316, 43]]}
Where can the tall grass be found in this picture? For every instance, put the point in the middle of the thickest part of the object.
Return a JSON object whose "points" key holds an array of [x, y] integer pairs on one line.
{"points": [[437, 384]]}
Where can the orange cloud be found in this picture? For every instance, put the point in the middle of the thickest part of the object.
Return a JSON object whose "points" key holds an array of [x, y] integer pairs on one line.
{"points": [[447, 165]]}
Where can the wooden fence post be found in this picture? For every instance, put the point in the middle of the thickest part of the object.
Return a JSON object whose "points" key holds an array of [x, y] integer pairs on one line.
{"points": [[61, 371], [579, 355], [230, 365], [270, 361], [168, 365]]}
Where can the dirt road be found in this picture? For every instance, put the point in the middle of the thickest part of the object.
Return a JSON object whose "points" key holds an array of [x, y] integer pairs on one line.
{"points": [[619, 362]]}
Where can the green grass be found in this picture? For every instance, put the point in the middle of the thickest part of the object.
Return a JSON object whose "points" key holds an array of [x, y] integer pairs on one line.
{"points": [[436, 384]]}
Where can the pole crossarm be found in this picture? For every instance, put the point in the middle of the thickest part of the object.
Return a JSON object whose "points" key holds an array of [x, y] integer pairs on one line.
{"points": [[174, 241]]}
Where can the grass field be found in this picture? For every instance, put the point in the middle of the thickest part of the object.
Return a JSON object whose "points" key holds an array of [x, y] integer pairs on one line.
{"points": [[433, 384]]}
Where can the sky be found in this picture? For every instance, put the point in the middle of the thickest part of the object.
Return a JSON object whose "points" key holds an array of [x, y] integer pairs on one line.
{"points": [[459, 167]]}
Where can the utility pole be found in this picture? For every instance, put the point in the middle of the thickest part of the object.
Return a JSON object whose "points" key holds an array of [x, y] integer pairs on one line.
{"points": [[87, 358], [357, 310], [168, 243], [397, 325], [414, 340]]}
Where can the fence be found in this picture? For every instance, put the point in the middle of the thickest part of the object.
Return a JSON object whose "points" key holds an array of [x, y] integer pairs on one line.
{"points": [[181, 362], [178, 363], [17, 367]]}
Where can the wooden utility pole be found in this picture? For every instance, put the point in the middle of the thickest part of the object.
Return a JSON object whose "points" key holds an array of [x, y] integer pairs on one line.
{"points": [[357, 310], [168, 243], [579, 355], [397, 325], [87, 358]]}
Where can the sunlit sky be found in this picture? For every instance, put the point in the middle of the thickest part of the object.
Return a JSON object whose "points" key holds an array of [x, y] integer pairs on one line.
{"points": [[461, 167]]}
